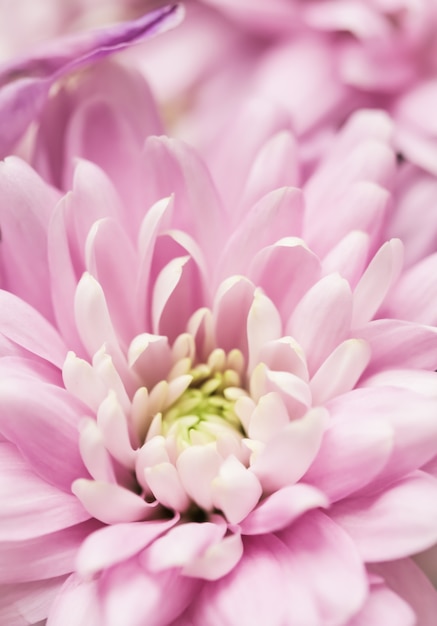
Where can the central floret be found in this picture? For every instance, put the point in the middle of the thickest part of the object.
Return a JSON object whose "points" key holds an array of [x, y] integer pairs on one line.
{"points": [[205, 411]]}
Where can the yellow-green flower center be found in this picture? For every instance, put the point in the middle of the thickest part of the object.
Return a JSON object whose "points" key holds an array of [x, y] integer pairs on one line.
{"points": [[205, 411]]}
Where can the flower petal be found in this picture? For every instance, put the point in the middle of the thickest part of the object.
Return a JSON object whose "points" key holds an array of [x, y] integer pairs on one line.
{"points": [[197, 467], [353, 452], [25, 209], [382, 607], [235, 490], [408, 582], [374, 284], [164, 482], [112, 423], [181, 545], [413, 440], [341, 370], [317, 546], [23, 325], [30, 506], [232, 304], [30, 408], [269, 417], [218, 560], [115, 274], [28, 603], [263, 325], [111, 503], [394, 523], [171, 167], [282, 508], [76, 604], [177, 293], [276, 165], [44, 557], [129, 594], [414, 295], [110, 545], [419, 344], [291, 263], [275, 216], [322, 319], [284, 600], [288, 454]]}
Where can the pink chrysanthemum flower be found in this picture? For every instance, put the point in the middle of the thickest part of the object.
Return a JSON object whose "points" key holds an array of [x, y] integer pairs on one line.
{"points": [[207, 418]]}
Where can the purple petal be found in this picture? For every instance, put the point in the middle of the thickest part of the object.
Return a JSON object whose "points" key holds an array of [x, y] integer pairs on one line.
{"points": [[26, 82]]}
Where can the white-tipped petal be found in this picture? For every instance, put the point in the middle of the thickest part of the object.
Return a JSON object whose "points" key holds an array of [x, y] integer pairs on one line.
{"points": [[268, 418], [287, 456], [182, 545], [113, 425], [197, 467], [81, 380], [282, 508], [165, 484], [94, 453], [294, 391], [263, 325], [110, 376], [341, 370], [374, 284], [236, 490], [111, 503], [92, 316], [218, 560], [150, 357]]}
